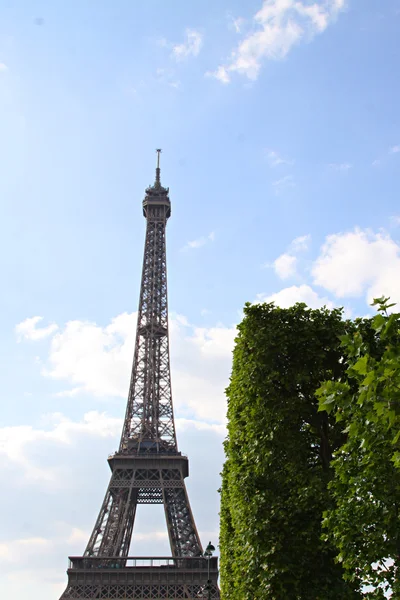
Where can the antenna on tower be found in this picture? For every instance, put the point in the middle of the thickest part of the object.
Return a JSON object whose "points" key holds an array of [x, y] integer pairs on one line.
{"points": [[158, 150]]}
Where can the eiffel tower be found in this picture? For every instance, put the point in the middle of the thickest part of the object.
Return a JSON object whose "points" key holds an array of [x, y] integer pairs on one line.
{"points": [[147, 468]]}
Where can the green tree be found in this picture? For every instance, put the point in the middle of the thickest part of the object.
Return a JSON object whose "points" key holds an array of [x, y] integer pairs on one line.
{"points": [[278, 454], [364, 522]]}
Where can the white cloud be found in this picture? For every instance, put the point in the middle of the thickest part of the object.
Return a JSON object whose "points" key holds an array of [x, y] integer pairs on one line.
{"points": [[300, 243], [237, 24], [395, 220], [13, 550], [190, 47], [201, 241], [221, 73], [213, 342], [185, 424], [28, 329], [279, 26], [351, 264], [283, 183], [196, 351], [285, 266], [275, 159], [78, 536], [358, 262], [94, 359], [340, 166], [3, 67], [392, 150], [15, 441], [150, 535], [296, 293], [318, 16]]}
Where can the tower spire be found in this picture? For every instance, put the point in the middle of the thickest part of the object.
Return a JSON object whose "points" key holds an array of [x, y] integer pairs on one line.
{"points": [[158, 183]]}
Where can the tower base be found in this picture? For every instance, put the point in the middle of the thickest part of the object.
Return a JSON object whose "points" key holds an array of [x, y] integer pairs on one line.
{"points": [[142, 578]]}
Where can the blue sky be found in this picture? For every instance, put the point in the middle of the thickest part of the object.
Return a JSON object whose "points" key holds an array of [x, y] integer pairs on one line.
{"points": [[280, 131]]}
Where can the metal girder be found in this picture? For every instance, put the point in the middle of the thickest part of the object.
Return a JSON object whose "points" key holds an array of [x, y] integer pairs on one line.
{"points": [[141, 592]]}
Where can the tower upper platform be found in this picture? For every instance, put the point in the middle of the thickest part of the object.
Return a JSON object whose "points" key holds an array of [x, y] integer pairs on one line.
{"points": [[157, 195]]}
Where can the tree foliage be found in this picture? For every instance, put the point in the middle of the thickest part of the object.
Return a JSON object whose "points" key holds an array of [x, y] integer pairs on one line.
{"points": [[363, 522], [278, 454]]}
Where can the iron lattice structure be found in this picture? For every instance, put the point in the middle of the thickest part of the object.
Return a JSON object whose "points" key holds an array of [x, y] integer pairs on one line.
{"points": [[147, 468]]}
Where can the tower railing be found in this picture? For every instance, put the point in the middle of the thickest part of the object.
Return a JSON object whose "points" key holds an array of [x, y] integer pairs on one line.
{"points": [[188, 563]]}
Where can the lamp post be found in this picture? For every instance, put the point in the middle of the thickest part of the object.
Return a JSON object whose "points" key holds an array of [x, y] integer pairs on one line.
{"points": [[208, 554]]}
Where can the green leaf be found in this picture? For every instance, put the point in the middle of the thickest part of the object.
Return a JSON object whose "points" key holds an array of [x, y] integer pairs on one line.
{"points": [[378, 322], [361, 366]]}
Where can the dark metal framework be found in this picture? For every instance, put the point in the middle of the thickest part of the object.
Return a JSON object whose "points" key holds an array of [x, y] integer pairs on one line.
{"points": [[142, 578], [147, 468]]}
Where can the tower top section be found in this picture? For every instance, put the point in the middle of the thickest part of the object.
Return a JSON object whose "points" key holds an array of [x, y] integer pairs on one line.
{"points": [[156, 201]]}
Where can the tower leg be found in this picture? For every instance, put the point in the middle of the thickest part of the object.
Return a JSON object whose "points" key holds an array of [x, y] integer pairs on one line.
{"points": [[112, 532], [183, 535]]}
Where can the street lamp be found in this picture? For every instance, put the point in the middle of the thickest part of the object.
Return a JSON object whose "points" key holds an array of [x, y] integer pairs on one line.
{"points": [[208, 554]]}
